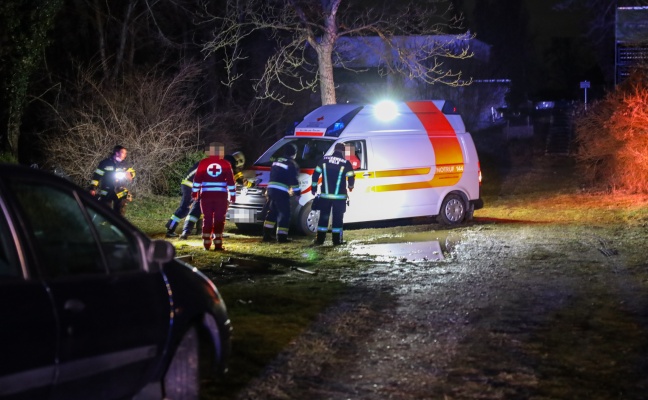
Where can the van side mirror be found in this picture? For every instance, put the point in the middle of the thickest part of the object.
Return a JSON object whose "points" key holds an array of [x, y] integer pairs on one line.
{"points": [[159, 252]]}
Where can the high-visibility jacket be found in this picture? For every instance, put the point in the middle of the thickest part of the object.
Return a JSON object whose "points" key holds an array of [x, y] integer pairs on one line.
{"points": [[283, 176], [335, 172], [110, 175], [214, 178], [188, 179]]}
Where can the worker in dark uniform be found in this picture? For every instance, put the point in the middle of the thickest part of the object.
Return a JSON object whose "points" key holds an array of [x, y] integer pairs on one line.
{"points": [[336, 173], [110, 180], [214, 185], [283, 182], [187, 208]]}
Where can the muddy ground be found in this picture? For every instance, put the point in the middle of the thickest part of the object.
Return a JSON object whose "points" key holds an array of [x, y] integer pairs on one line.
{"points": [[513, 311], [515, 308]]}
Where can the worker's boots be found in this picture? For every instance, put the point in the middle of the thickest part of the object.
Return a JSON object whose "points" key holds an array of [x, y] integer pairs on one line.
{"points": [[187, 228], [337, 238], [267, 234], [283, 238], [319, 239], [207, 240], [171, 227]]}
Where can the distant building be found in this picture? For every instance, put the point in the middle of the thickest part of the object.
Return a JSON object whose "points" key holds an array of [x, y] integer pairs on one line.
{"points": [[631, 40], [363, 68]]}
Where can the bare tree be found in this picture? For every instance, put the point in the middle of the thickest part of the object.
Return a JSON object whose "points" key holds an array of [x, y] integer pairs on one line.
{"points": [[294, 29]]}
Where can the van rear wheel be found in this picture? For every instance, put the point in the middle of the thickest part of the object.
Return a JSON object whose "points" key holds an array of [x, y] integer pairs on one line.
{"points": [[453, 210]]}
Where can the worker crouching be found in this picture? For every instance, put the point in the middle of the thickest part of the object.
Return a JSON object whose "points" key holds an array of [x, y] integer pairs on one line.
{"points": [[283, 182]]}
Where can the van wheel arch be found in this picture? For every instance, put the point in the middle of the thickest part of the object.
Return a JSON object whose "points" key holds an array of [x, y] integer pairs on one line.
{"points": [[454, 209]]}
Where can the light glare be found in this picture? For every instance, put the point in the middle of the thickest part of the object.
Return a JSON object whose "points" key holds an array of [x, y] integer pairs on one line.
{"points": [[386, 111]]}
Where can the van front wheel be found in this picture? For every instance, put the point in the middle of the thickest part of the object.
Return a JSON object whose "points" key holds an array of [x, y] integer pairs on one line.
{"points": [[453, 210], [307, 220]]}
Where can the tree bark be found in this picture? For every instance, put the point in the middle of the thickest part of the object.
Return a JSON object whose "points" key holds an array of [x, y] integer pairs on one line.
{"points": [[325, 51]]}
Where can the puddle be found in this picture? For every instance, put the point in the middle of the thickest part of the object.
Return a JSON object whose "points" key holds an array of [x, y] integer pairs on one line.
{"points": [[411, 247]]}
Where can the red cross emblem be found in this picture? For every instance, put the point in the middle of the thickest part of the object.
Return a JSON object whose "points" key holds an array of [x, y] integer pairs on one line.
{"points": [[214, 170]]}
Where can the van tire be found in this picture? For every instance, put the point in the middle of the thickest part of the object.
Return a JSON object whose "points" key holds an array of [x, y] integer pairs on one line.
{"points": [[453, 210], [307, 220]]}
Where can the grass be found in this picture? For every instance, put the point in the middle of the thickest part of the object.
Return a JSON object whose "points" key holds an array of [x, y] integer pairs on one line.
{"points": [[268, 311]]}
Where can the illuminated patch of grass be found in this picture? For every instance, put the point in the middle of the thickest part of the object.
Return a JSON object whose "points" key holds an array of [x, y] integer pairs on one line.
{"points": [[151, 213]]}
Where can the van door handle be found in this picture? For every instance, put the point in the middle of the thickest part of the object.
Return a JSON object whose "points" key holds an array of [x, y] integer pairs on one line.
{"points": [[75, 305], [366, 174]]}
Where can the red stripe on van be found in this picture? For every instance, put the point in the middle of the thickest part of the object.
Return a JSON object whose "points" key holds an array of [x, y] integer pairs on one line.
{"points": [[447, 150], [302, 133]]}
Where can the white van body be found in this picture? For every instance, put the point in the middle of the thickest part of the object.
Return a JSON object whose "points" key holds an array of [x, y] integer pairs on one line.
{"points": [[413, 159]]}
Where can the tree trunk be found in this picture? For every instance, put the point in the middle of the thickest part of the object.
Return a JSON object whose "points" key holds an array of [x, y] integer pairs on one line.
{"points": [[327, 83], [325, 51], [122, 39]]}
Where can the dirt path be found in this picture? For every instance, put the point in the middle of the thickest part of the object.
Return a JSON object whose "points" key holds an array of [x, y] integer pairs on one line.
{"points": [[516, 311]]}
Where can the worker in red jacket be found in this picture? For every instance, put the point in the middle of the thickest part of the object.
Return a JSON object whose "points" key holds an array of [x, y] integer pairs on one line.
{"points": [[214, 185]]}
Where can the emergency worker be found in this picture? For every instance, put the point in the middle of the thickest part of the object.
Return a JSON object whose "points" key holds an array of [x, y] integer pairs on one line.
{"points": [[283, 181], [187, 208], [109, 180], [213, 184], [237, 160], [335, 172]]}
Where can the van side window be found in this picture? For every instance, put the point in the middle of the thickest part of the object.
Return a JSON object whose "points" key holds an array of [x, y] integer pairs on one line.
{"points": [[355, 152]]}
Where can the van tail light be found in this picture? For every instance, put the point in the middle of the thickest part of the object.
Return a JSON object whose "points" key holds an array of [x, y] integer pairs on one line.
{"points": [[479, 173]]}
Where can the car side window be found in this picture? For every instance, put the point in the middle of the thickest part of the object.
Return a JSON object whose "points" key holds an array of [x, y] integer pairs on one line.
{"points": [[119, 249], [64, 240], [9, 263]]}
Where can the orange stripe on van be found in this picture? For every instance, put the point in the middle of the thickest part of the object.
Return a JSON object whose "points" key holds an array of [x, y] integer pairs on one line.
{"points": [[443, 138], [392, 173]]}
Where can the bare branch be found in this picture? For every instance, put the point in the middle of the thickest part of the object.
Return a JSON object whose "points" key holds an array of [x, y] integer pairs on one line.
{"points": [[305, 37]]}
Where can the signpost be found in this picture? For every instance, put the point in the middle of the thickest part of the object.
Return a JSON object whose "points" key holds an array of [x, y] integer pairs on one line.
{"points": [[585, 85]]}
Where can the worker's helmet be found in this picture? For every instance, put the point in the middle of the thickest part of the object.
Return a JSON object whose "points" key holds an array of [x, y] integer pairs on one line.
{"points": [[230, 159], [239, 159], [290, 150]]}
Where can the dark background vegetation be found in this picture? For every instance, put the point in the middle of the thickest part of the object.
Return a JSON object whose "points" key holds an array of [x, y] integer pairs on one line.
{"points": [[78, 76]]}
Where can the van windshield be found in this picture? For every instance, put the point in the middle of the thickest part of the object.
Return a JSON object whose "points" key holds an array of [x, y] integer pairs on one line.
{"points": [[309, 150]]}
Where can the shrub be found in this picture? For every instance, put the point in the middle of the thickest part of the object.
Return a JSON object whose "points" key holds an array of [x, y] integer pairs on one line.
{"points": [[153, 115], [612, 138], [177, 172]]}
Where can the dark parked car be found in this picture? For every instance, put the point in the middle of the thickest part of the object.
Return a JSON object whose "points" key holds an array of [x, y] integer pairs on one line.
{"points": [[90, 308]]}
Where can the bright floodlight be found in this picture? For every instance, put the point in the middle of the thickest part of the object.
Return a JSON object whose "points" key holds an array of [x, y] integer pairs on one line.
{"points": [[385, 111]]}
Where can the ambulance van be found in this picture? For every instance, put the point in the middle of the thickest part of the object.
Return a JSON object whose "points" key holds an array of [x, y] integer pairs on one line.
{"points": [[411, 159]]}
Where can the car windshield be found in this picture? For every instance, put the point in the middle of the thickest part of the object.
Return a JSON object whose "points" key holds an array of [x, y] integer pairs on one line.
{"points": [[309, 150]]}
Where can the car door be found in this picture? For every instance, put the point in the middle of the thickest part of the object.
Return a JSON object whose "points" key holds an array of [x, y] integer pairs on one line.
{"points": [[114, 315], [28, 331]]}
